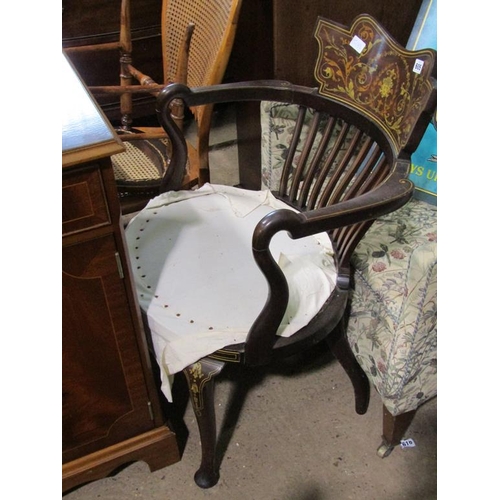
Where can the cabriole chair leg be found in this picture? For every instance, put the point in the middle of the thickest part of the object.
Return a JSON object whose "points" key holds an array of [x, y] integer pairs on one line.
{"points": [[340, 348], [200, 377]]}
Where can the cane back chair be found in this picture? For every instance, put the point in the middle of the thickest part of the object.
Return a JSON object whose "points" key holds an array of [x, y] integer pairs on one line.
{"points": [[197, 39], [228, 275]]}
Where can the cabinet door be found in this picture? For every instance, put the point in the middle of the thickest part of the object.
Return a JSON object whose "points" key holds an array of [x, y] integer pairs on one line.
{"points": [[105, 399]]}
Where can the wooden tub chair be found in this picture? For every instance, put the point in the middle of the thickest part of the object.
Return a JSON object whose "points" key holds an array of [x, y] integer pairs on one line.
{"points": [[197, 39], [228, 275]]}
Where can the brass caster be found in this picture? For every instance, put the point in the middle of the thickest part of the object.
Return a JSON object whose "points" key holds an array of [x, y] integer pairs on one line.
{"points": [[384, 450]]}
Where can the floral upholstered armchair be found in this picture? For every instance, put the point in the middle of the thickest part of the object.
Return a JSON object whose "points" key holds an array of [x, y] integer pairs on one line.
{"points": [[392, 325]]}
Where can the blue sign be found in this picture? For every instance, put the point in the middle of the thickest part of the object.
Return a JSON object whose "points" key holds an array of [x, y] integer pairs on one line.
{"points": [[424, 159]]}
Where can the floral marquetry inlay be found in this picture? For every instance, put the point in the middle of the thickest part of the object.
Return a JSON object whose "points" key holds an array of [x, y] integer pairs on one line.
{"points": [[348, 69], [198, 375]]}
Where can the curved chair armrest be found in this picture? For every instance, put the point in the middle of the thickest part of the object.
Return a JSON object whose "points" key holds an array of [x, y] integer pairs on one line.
{"points": [[392, 194], [387, 197], [174, 174]]}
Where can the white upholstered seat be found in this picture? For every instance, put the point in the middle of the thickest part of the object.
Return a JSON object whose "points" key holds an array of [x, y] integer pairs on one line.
{"points": [[196, 277]]}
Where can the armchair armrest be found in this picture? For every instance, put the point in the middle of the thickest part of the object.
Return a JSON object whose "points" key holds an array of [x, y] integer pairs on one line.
{"points": [[393, 194]]}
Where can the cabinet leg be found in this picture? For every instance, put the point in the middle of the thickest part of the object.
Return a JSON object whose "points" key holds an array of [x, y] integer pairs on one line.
{"points": [[200, 377], [394, 429]]}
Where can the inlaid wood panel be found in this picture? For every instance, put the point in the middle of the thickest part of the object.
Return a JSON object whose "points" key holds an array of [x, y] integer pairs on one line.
{"points": [[83, 202], [105, 400], [295, 48]]}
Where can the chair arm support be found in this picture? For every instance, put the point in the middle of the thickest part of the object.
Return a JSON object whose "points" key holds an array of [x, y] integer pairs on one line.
{"points": [[389, 196]]}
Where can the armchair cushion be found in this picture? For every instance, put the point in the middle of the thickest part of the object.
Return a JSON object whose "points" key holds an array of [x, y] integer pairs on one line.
{"points": [[392, 327]]}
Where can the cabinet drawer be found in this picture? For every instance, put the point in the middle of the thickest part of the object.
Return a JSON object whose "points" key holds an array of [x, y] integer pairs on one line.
{"points": [[83, 200]]}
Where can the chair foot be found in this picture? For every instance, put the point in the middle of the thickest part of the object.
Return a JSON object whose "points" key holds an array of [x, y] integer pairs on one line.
{"points": [[394, 429], [340, 348], [206, 479], [200, 377], [384, 450]]}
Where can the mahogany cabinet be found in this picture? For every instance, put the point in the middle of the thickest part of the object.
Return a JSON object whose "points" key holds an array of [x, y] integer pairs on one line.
{"points": [[111, 412]]}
